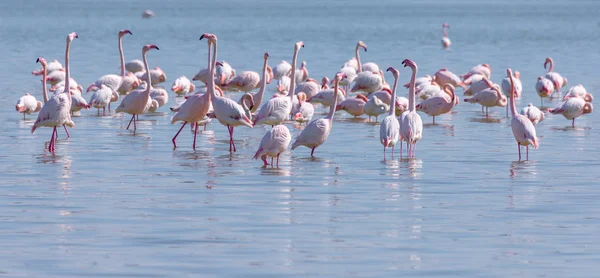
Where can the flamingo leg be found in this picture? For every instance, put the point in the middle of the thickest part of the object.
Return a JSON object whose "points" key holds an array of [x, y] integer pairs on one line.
{"points": [[486, 112], [109, 107], [400, 148], [393, 152], [195, 133], [507, 111], [232, 142], [542, 100], [23, 116], [384, 153], [573, 123], [135, 124], [527, 148], [204, 127], [264, 159], [177, 134], [312, 152], [519, 147], [132, 118], [52, 140], [433, 119], [230, 136], [68, 135], [272, 161], [278, 159]]}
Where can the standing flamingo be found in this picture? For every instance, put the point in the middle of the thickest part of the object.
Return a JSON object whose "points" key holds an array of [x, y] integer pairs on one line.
{"points": [[317, 131], [101, 98], [372, 67], [57, 111], [572, 108], [305, 111], [534, 114], [389, 131], [113, 81], [579, 91], [138, 101], [445, 40], [411, 125], [182, 86], [27, 104], [228, 112], [522, 127], [50, 67], [273, 144], [258, 97], [544, 88], [281, 70], [489, 97], [483, 69], [354, 106], [558, 80], [439, 104], [444, 76], [278, 109], [517, 84]]}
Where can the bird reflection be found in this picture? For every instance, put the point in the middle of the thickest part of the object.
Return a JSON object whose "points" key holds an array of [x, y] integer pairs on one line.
{"points": [[413, 165], [524, 167]]}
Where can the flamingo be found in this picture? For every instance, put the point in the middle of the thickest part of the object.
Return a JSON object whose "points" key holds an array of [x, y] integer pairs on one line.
{"points": [[411, 126], [50, 67], [160, 95], [273, 144], [324, 83], [522, 128], [203, 74], [78, 102], [354, 106], [27, 104], [558, 80], [389, 131], [193, 110], [278, 109], [401, 105], [310, 87], [445, 40], [317, 131], [476, 83], [158, 75], [375, 107], [326, 97], [439, 104], [421, 81], [101, 98], [113, 81], [57, 111], [489, 97], [428, 90], [130, 83], [579, 91], [42, 61], [283, 84], [518, 87], [182, 86], [372, 67], [258, 97], [368, 82], [544, 88], [138, 101], [385, 95], [305, 111], [350, 73], [281, 70], [444, 76], [228, 112], [224, 72], [301, 73], [246, 81], [572, 108], [134, 66], [482, 69], [534, 114]]}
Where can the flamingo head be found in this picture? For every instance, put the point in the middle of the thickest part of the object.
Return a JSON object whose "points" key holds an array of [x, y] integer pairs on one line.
{"points": [[564, 81], [299, 45], [42, 61], [147, 48], [362, 44], [517, 74], [324, 82], [446, 25], [588, 97], [72, 36], [266, 56], [588, 108], [212, 38], [487, 66], [548, 61], [394, 71], [269, 74], [339, 76], [124, 32], [412, 65]]}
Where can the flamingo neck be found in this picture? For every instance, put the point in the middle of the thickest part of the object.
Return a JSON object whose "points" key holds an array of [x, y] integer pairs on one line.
{"points": [[335, 97], [393, 100], [44, 86], [513, 105], [68, 71], [444, 31], [263, 84], [293, 78], [551, 66], [148, 78], [411, 91], [208, 59], [358, 59], [122, 58], [211, 69]]}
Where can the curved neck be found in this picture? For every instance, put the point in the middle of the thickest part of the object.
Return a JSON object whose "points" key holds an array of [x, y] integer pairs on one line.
{"points": [[393, 101], [44, 87], [335, 97], [551, 66], [444, 31], [358, 59], [513, 106], [122, 57], [263, 84], [411, 91], [149, 84], [293, 78]]}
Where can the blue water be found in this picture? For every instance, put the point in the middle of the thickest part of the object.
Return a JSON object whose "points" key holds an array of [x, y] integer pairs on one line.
{"points": [[112, 204]]}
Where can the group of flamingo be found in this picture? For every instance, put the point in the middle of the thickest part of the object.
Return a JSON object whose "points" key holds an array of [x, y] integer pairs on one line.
{"points": [[296, 98]]}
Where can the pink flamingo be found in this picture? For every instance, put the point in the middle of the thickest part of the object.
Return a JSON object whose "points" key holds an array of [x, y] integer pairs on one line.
{"points": [[228, 112], [389, 131], [572, 108], [281, 70], [247, 81], [517, 84], [27, 104], [273, 144], [57, 111], [354, 106], [522, 127], [445, 40], [42, 61], [489, 97], [372, 67], [101, 98], [558, 80], [482, 69], [138, 101], [310, 87], [258, 97], [317, 131], [278, 109], [158, 76], [50, 67], [301, 73], [305, 111], [113, 81], [324, 83], [534, 114], [439, 104], [444, 76], [134, 66], [411, 125], [182, 86], [130, 83], [544, 88], [579, 91]]}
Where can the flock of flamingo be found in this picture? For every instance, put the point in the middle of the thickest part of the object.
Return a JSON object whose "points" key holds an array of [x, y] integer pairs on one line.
{"points": [[296, 98]]}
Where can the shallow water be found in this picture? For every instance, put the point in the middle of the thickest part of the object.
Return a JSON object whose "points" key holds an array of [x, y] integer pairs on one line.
{"points": [[109, 203]]}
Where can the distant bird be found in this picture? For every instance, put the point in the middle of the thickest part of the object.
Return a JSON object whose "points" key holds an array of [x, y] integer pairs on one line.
{"points": [[445, 40], [439, 104], [389, 130], [572, 108], [579, 91], [522, 128], [182, 86], [544, 88], [27, 104], [148, 14], [138, 101], [317, 131], [57, 111], [411, 125], [273, 144], [557, 80], [534, 114]]}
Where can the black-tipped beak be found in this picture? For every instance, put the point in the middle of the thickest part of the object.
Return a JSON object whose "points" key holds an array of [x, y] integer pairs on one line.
{"points": [[202, 37], [365, 49], [38, 60], [129, 32], [157, 48], [77, 36]]}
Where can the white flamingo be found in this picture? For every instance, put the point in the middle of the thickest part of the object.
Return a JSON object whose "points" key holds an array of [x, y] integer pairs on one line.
{"points": [[182, 86], [445, 40], [572, 108], [579, 91], [389, 131], [134, 66], [354, 106], [101, 98], [489, 97], [305, 111], [558, 80], [439, 104], [544, 88], [158, 75], [130, 83], [317, 131], [534, 114], [27, 104], [138, 101], [310, 87], [522, 128], [281, 70], [273, 144], [57, 111], [375, 107], [50, 67], [411, 125]]}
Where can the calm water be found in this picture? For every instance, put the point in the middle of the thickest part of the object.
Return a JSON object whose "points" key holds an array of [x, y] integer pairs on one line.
{"points": [[112, 204]]}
